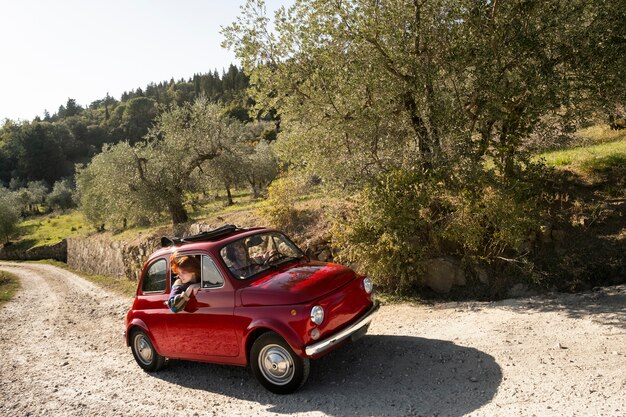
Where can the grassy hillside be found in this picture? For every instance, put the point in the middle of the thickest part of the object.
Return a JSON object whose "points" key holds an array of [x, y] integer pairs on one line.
{"points": [[603, 150], [50, 229]]}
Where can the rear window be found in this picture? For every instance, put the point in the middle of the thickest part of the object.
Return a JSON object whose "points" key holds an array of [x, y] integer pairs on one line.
{"points": [[155, 279]]}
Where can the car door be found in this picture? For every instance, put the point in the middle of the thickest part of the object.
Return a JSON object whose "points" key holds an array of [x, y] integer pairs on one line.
{"points": [[206, 325], [150, 305]]}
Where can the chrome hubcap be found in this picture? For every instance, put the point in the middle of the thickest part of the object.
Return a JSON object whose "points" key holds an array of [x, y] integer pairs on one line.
{"points": [[143, 349], [276, 364]]}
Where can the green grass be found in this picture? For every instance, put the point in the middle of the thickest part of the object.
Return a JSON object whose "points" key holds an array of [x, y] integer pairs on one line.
{"points": [[243, 200], [600, 134], [9, 284], [50, 229], [121, 286], [589, 159]]}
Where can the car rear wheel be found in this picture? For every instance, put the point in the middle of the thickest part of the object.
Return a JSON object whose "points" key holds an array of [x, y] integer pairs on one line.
{"points": [[276, 366], [144, 352]]}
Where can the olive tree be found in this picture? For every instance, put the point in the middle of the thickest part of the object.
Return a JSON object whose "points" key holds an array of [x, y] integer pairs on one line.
{"points": [[106, 191], [226, 172], [62, 196], [132, 182], [32, 196], [260, 168], [9, 214], [382, 85]]}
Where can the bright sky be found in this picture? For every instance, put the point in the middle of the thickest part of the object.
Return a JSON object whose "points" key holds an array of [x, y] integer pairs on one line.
{"points": [[54, 49]]}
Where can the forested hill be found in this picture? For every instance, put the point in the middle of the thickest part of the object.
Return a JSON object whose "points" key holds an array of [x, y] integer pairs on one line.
{"points": [[47, 149]]}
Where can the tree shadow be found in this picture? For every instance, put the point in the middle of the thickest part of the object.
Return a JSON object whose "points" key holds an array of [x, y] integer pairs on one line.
{"points": [[589, 248], [603, 305], [378, 375], [19, 246]]}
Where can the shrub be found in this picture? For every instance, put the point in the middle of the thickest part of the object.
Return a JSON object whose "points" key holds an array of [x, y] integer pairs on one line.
{"points": [[409, 217], [279, 209], [386, 231]]}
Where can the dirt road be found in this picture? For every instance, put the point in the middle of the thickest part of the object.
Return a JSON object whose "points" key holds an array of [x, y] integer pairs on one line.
{"points": [[62, 354]]}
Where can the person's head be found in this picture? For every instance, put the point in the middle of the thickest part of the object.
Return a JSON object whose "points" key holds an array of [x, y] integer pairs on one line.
{"points": [[236, 252], [186, 267]]}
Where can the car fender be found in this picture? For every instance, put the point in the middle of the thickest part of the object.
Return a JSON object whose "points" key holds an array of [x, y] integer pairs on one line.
{"points": [[282, 329], [140, 323]]}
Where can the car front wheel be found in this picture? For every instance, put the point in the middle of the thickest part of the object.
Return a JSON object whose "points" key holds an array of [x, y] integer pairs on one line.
{"points": [[276, 366], [144, 352]]}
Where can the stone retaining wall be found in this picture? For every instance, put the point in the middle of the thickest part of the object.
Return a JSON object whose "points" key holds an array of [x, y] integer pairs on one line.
{"points": [[103, 255]]}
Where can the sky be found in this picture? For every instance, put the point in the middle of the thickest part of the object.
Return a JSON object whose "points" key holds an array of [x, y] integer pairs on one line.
{"points": [[52, 50]]}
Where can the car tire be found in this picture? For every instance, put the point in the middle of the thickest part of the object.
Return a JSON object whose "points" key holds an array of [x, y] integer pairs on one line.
{"points": [[276, 366], [144, 352]]}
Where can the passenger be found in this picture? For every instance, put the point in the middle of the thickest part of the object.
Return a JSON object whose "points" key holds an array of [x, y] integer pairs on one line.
{"points": [[188, 270]]}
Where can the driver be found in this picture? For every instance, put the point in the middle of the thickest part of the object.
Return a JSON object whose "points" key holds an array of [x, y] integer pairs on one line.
{"points": [[241, 264]]}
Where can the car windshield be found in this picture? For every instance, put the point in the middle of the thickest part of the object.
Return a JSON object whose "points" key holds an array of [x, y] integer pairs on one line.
{"points": [[257, 253]]}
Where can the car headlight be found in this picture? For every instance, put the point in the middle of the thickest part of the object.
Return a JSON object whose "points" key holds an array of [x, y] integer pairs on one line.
{"points": [[317, 315], [368, 285]]}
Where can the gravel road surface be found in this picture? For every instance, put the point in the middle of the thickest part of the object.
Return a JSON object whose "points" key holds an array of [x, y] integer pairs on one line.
{"points": [[62, 354]]}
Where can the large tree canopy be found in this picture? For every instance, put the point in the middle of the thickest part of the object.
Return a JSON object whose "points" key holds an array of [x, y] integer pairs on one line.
{"points": [[394, 83]]}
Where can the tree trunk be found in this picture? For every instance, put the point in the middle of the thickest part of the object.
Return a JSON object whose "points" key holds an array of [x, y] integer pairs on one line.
{"points": [[230, 197], [177, 212], [419, 127]]}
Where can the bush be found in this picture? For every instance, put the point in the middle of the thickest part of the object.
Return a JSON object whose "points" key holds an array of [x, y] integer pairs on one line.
{"points": [[280, 207], [409, 217], [386, 230]]}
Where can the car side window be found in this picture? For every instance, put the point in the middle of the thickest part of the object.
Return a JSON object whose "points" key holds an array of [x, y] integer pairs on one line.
{"points": [[173, 276], [211, 276], [156, 277]]}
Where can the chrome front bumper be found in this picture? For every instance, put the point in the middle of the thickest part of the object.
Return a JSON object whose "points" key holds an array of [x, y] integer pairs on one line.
{"points": [[323, 345]]}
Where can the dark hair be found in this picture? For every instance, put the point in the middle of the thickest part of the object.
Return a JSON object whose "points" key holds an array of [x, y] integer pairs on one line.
{"points": [[188, 263], [231, 252]]}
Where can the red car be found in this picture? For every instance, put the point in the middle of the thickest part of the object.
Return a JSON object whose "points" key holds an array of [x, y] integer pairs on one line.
{"points": [[275, 313]]}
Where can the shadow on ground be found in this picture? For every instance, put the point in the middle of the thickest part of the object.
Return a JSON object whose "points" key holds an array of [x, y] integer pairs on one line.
{"points": [[378, 375], [603, 305]]}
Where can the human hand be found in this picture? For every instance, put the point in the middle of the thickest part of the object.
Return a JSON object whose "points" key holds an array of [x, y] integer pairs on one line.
{"points": [[270, 255], [191, 290]]}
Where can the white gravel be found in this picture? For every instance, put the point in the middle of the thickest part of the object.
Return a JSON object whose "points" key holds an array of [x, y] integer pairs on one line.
{"points": [[62, 354]]}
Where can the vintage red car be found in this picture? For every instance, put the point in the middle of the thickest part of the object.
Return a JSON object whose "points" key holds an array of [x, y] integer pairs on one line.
{"points": [[276, 314]]}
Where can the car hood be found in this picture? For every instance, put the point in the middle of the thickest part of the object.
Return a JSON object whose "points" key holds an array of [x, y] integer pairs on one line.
{"points": [[297, 284]]}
